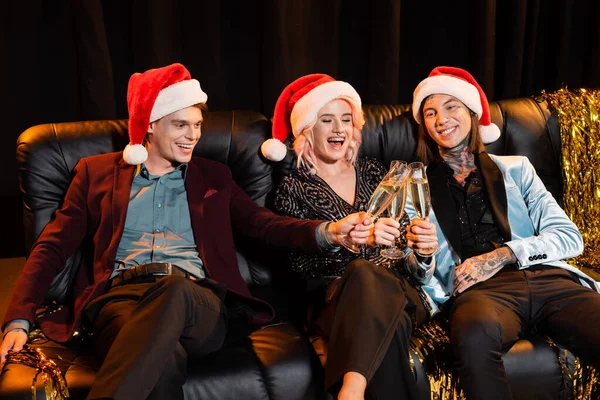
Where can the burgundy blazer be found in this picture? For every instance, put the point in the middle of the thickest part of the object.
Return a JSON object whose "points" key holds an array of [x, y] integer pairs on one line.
{"points": [[94, 212]]}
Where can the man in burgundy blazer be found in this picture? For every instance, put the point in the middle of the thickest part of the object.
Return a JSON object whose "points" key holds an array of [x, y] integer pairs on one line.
{"points": [[146, 325]]}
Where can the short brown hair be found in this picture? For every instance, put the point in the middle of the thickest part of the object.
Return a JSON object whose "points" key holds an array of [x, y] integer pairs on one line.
{"points": [[202, 106]]}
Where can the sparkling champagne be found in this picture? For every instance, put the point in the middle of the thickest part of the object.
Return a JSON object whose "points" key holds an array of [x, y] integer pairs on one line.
{"points": [[396, 207], [383, 195], [419, 193]]}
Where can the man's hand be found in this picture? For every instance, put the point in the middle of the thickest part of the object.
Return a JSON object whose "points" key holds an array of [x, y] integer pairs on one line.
{"points": [[422, 236], [481, 268], [384, 233], [14, 340], [355, 226]]}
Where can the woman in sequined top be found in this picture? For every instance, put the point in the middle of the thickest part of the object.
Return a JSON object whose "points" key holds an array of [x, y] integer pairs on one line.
{"points": [[307, 195], [365, 311]]}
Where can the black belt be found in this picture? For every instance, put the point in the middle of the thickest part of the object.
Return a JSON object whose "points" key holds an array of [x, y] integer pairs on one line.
{"points": [[150, 269]]}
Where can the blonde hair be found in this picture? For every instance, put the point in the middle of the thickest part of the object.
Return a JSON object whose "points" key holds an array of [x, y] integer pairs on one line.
{"points": [[304, 142]]}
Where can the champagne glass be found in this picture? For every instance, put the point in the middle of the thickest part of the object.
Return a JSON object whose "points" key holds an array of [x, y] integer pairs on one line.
{"points": [[383, 195], [396, 211], [421, 198]]}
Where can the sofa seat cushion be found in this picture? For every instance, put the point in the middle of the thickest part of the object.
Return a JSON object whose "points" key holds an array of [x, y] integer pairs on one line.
{"points": [[535, 371], [274, 362]]}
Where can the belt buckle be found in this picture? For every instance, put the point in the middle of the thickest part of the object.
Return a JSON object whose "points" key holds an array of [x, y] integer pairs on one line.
{"points": [[169, 270]]}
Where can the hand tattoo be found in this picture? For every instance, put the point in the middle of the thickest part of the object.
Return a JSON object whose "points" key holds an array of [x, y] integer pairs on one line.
{"points": [[486, 265], [481, 268]]}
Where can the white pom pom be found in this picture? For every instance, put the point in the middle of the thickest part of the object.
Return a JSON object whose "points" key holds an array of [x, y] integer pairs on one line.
{"points": [[135, 154], [273, 149], [490, 133]]}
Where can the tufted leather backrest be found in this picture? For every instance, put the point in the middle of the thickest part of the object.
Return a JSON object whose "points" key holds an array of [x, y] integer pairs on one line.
{"points": [[47, 154], [527, 127]]}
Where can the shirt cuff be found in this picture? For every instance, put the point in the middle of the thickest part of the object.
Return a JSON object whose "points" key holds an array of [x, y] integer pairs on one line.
{"points": [[322, 242], [420, 268], [17, 324], [424, 261], [514, 250]]}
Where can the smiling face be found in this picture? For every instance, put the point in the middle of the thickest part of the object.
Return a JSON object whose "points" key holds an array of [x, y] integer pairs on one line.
{"points": [[333, 131], [171, 140], [447, 120]]}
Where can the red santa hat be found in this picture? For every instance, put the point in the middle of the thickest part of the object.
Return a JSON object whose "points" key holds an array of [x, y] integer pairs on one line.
{"points": [[298, 106], [460, 84], [152, 95]]}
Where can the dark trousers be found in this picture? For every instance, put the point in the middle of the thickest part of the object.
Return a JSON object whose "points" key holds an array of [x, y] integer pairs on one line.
{"points": [[487, 319], [145, 331], [368, 322]]}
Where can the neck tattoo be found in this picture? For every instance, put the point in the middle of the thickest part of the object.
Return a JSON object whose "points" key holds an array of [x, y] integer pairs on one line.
{"points": [[460, 159]]}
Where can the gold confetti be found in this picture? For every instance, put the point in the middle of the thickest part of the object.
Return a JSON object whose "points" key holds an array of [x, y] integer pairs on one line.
{"points": [[55, 385]]}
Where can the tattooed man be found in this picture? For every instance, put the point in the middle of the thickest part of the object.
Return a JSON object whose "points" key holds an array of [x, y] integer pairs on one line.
{"points": [[502, 241]]}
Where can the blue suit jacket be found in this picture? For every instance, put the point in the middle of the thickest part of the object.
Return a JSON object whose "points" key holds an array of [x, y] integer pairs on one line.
{"points": [[532, 223]]}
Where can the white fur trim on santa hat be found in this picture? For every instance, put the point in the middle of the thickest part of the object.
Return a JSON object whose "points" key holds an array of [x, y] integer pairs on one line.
{"points": [[273, 149], [307, 107], [489, 134], [177, 97], [135, 154], [445, 84]]}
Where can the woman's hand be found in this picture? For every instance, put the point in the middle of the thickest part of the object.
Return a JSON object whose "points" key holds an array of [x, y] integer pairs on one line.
{"points": [[384, 232], [422, 235]]}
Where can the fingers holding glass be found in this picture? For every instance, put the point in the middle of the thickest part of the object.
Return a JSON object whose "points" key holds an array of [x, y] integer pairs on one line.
{"points": [[383, 195], [422, 237], [355, 238], [356, 231]]}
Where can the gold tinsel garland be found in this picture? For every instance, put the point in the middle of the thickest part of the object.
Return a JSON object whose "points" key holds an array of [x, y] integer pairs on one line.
{"points": [[577, 113], [55, 385], [432, 346], [583, 379]]}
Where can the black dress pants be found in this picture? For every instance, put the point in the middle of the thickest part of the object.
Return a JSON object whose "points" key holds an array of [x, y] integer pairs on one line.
{"points": [[487, 319], [145, 331], [368, 322]]}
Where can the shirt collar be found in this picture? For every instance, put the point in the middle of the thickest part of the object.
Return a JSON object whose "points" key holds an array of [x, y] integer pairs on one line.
{"points": [[143, 172]]}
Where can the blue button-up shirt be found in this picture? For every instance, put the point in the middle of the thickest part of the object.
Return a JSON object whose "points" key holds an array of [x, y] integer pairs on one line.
{"points": [[158, 227]]}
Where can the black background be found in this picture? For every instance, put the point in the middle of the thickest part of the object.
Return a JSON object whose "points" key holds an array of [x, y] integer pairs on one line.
{"points": [[71, 60]]}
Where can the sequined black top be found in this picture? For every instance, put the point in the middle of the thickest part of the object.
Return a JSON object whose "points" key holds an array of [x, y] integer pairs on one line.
{"points": [[307, 196], [479, 233]]}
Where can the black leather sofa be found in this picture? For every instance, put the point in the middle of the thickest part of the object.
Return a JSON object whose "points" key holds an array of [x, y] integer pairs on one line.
{"points": [[276, 361]]}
